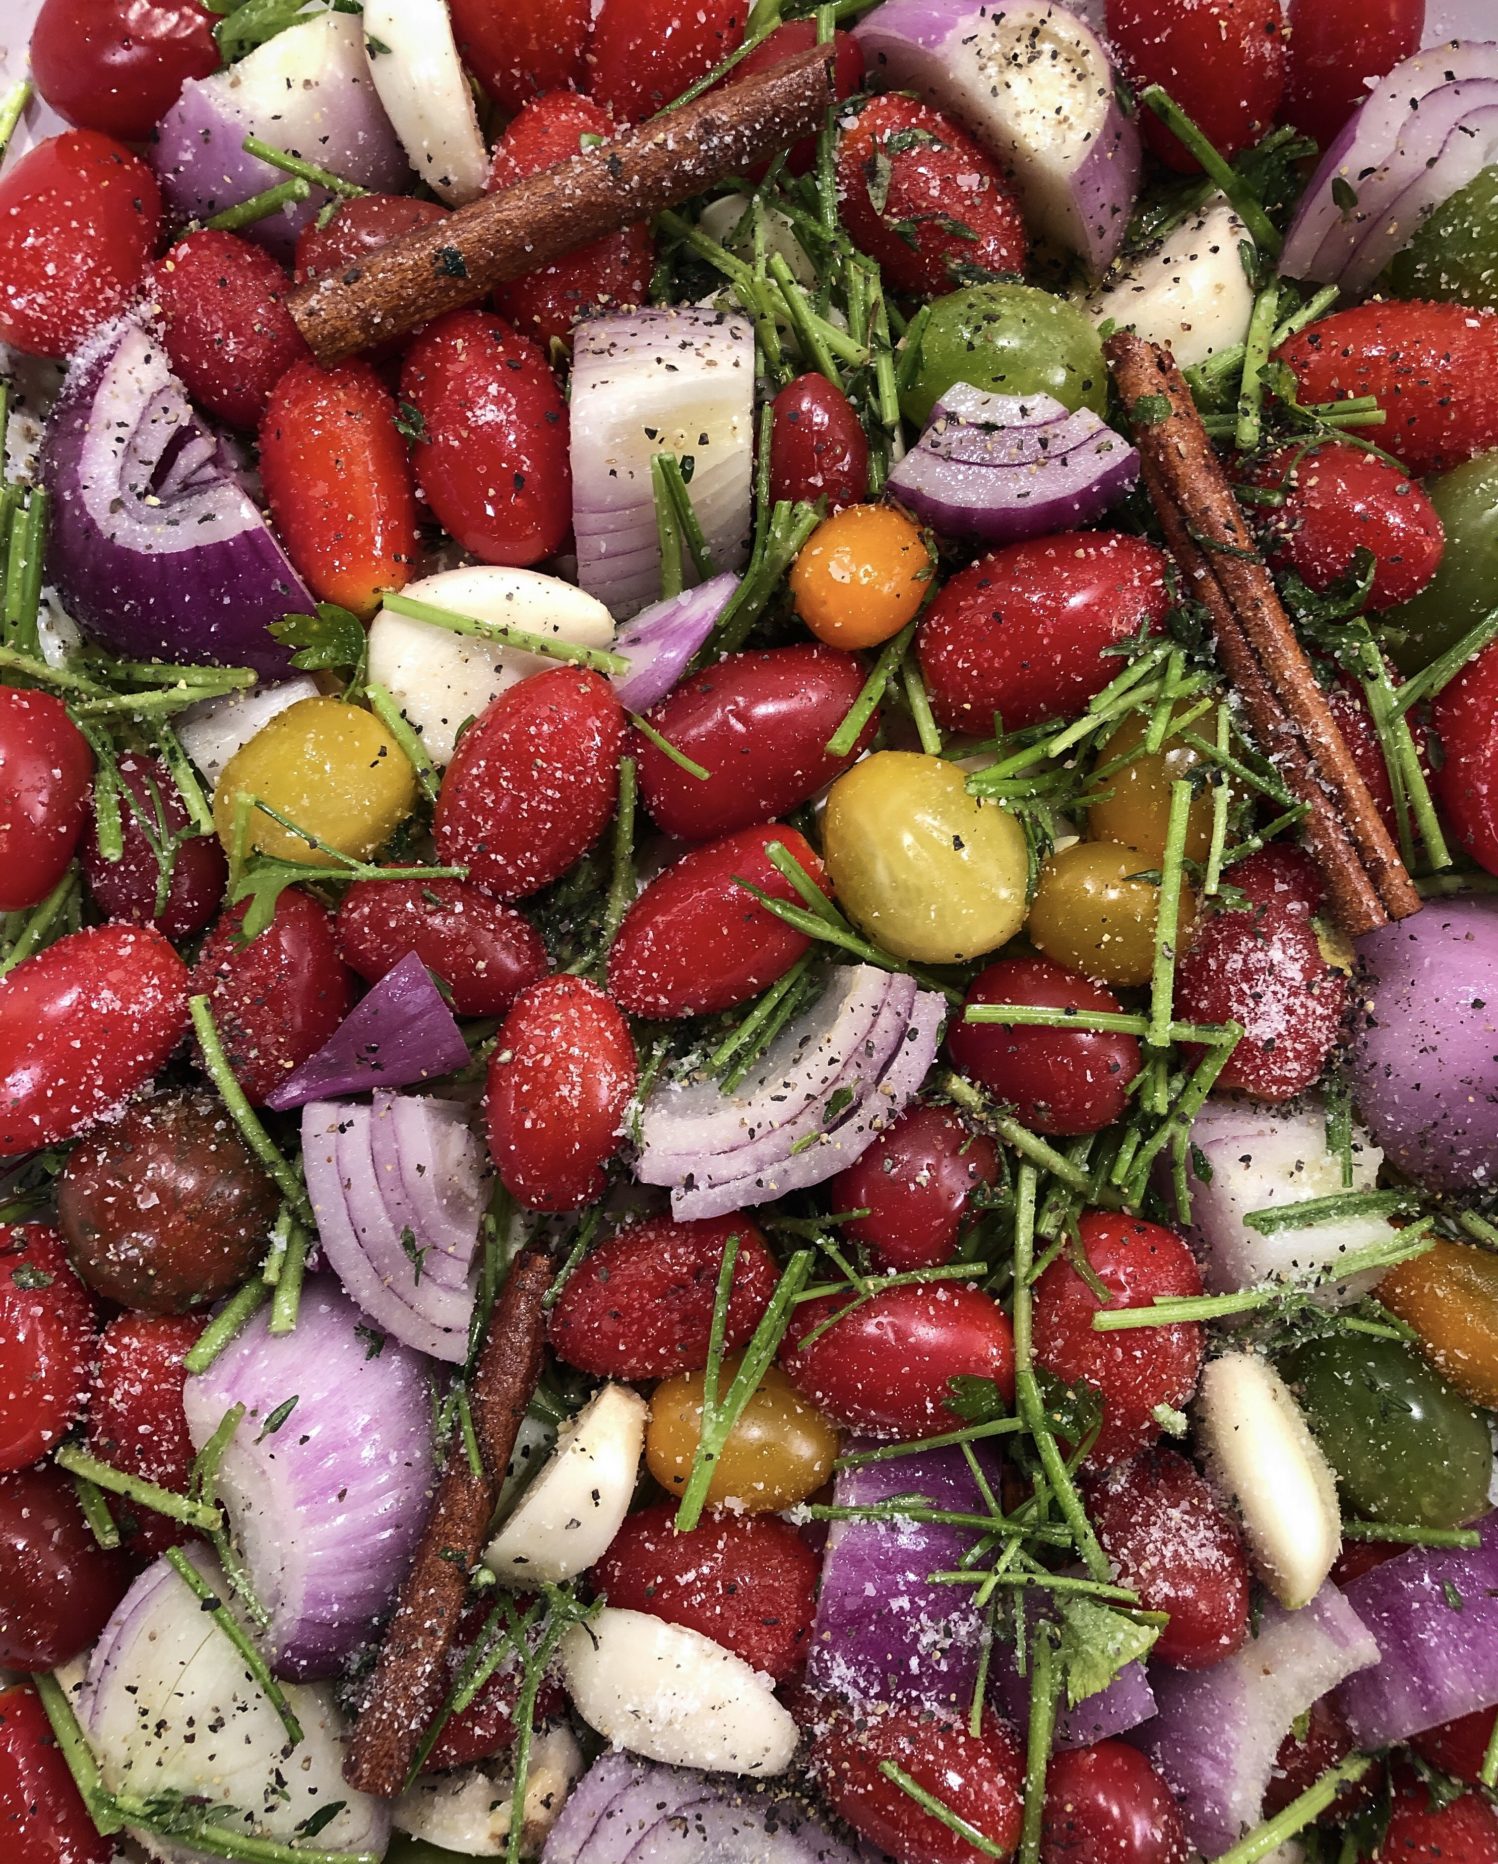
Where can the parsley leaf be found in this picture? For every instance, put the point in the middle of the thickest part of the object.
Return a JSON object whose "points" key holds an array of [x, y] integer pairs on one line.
{"points": [[333, 637], [1096, 1643]]}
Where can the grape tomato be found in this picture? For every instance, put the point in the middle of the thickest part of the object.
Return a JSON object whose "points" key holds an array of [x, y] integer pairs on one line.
{"points": [[1106, 1804], [46, 768], [225, 324], [58, 1586], [818, 448], [136, 1419], [779, 1451], [119, 65], [918, 1184], [485, 953], [165, 877], [47, 1335]]}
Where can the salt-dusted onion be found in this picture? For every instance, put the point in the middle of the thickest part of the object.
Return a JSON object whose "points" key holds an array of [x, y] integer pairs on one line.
{"points": [[469, 1811], [434, 1176], [414, 61], [662, 640], [214, 729], [1189, 293]]}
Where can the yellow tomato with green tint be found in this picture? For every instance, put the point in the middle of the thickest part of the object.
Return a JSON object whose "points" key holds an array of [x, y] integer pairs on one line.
{"points": [[1092, 914]]}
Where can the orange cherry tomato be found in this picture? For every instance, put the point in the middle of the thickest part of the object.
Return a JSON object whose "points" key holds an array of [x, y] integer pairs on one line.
{"points": [[862, 576]]}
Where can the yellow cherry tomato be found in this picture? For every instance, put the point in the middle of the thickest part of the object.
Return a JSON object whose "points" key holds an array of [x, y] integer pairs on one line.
{"points": [[1450, 1297], [861, 575], [927, 870], [331, 768], [1133, 789], [1092, 916], [780, 1451]]}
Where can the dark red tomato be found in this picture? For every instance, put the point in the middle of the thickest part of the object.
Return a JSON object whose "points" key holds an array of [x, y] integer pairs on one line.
{"points": [[1361, 1556], [136, 1420], [1349, 707], [818, 448], [84, 1025], [695, 941], [1432, 368], [1421, 1831], [360, 227], [1280, 875], [494, 464], [485, 953], [1265, 970], [43, 1819], [917, 1183], [559, 1083], [887, 1366], [57, 1584], [1335, 46], [613, 271], [173, 884], [1466, 721], [1460, 1747], [338, 482], [79, 217], [534, 783], [1302, 1760], [796, 36], [1223, 59], [1105, 1804], [46, 768], [1176, 1545], [517, 49], [119, 65], [225, 323], [1136, 1370], [979, 1777], [644, 53], [749, 1582], [758, 724], [1058, 1080], [487, 1726], [1024, 633], [922, 198], [277, 998], [640, 1305], [46, 1343]]}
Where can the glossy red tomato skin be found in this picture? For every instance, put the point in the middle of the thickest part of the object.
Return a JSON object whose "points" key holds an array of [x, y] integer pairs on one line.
{"points": [[1280, 875], [127, 888], [47, 1334], [1432, 368], [487, 1726], [1105, 1804], [1175, 1544], [1458, 1747], [918, 1183], [494, 466], [694, 941], [360, 227], [136, 1419], [46, 768], [908, 179], [516, 49], [533, 783], [277, 998], [79, 218], [83, 1026], [800, 35], [1060, 1081], [640, 1305], [1466, 721], [885, 1368], [1224, 59], [1421, 1832], [57, 1584], [1335, 45], [1024, 632], [559, 1083], [225, 323], [118, 66], [485, 953], [43, 1819], [1303, 1758], [644, 53], [1136, 1370], [818, 448]]}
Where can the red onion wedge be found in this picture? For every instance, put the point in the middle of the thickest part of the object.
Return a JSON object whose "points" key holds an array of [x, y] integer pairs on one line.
{"points": [[434, 1176], [1000, 468], [1033, 82], [1128, 1702], [662, 640], [157, 549], [327, 1498]]}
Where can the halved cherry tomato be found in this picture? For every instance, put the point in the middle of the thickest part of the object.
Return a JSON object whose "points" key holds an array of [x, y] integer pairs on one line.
{"points": [[644, 53], [136, 1419], [47, 1334], [119, 65], [57, 1584], [1422, 1830], [1336, 46], [43, 1819], [173, 885], [917, 1182], [818, 448], [1105, 1804], [517, 49], [45, 770], [1223, 60], [225, 324], [800, 35], [485, 953], [1466, 721]]}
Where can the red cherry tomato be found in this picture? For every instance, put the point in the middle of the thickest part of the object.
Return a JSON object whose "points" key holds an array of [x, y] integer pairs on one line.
{"points": [[46, 1343], [818, 448], [190, 873], [1264, 969], [640, 1305], [1460, 1747], [485, 953], [43, 1819], [517, 49], [1279, 875], [360, 227], [487, 1726], [1024, 633], [887, 1366], [1058, 1080], [559, 1083], [644, 53], [79, 217], [84, 1025], [119, 65], [1176, 1545], [493, 465], [614, 270], [1136, 1370], [1349, 707], [749, 1582], [224, 323], [1335, 47], [921, 197], [136, 1421], [338, 482], [1432, 368], [278, 997], [1302, 1760], [1421, 1831], [917, 1182], [1361, 1556], [1466, 721], [1224, 60], [534, 783], [1105, 1804], [795, 36], [46, 768], [57, 1584]]}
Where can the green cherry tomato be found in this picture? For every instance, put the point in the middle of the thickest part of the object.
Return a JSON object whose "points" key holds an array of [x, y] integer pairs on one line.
{"points": [[1455, 253], [1461, 592], [1406, 1447], [1008, 340]]}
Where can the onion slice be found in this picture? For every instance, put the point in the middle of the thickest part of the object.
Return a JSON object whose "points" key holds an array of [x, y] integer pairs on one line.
{"points": [[214, 729], [414, 61], [662, 640]]}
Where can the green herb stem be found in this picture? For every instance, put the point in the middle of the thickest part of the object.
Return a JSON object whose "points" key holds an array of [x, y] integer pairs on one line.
{"points": [[504, 635], [1249, 208], [12, 108], [287, 1298], [1045, 1686], [260, 206], [73, 1745], [234, 1631], [382, 703], [96, 1513], [307, 171], [216, 1066], [1297, 1815], [226, 1325], [842, 741], [941, 1811], [1250, 419], [39, 922], [1339, 1207], [136, 1489], [1411, 1536]]}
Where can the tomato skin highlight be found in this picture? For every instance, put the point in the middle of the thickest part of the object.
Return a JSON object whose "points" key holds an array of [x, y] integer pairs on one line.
{"points": [[1458, 1747], [1105, 1804], [118, 66], [136, 1420], [818, 448], [516, 49], [1422, 1832], [46, 768], [1466, 721], [644, 53], [917, 1182], [226, 328], [57, 1584], [1334, 47], [1224, 60], [43, 1819], [128, 888], [47, 1335], [485, 953]]}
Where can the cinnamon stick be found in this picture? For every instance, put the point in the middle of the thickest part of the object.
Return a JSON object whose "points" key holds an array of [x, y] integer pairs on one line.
{"points": [[410, 1677], [656, 164]]}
